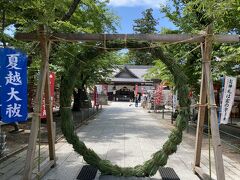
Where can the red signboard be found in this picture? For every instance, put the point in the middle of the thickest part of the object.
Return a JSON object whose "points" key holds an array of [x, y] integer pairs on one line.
{"points": [[95, 96], [52, 81]]}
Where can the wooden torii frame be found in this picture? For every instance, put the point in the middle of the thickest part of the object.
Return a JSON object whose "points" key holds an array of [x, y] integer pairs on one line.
{"points": [[43, 87], [207, 91]]}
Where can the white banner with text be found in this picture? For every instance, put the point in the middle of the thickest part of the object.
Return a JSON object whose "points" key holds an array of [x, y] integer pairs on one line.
{"points": [[228, 98]]}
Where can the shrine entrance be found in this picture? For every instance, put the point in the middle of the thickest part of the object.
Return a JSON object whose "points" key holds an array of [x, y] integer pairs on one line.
{"points": [[159, 158], [124, 94]]}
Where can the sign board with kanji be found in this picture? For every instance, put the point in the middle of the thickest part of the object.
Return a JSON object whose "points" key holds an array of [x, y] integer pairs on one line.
{"points": [[228, 98], [52, 81], [13, 84]]}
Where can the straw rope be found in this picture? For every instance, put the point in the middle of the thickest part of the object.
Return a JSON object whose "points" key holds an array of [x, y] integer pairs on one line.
{"points": [[160, 157]]}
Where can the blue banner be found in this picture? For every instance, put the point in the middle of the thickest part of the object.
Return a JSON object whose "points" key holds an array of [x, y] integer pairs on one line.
{"points": [[1, 62], [13, 82]]}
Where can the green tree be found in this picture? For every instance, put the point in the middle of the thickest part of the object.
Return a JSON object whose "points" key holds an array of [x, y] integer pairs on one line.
{"points": [[160, 71], [93, 71], [147, 24], [224, 14], [83, 16], [193, 17]]}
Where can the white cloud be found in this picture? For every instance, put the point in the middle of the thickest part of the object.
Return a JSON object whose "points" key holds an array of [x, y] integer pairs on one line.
{"points": [[133, 3]]}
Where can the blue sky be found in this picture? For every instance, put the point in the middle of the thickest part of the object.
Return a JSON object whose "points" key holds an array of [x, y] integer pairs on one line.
{"points": [[129, 10]]}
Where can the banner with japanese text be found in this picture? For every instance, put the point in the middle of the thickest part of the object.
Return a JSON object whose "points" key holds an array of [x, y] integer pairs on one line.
{"points": [[228, 98], [13, 81], [52, 81]]}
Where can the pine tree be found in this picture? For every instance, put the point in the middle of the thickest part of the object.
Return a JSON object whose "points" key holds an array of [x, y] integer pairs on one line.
{"points": [[146, 24]]}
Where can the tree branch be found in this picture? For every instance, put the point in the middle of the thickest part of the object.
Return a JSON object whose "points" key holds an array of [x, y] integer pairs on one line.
{"points": [[71, 10]]}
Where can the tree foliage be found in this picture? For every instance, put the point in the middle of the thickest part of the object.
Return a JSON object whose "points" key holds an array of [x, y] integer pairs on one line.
{"points": [[83, 16], [193, 17], [160, 71], [145, 25]]}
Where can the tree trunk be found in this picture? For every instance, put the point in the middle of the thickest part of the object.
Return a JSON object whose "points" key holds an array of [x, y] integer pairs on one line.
{"points": [[71, 10], [76, 100], [84, 101], [80, 99]]}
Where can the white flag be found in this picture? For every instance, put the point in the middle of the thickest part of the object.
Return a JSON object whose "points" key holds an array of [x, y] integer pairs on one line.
{"points": [[228, 98]]}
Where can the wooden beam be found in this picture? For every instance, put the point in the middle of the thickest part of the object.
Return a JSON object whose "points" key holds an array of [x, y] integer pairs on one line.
{"points": [[139, 37], [226, 38], [201, 115], [217, 147], [27, 174], [165, 38], [109, 37]]}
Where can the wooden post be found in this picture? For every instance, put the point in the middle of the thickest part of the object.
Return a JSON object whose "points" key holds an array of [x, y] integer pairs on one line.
{"points": [[163, 113], [201, 115], [208, 84], [49, 112], [217, 147], [27, 174]]}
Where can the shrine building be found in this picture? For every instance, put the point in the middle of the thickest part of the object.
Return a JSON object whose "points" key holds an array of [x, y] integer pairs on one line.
{"points": [[126, 81]]}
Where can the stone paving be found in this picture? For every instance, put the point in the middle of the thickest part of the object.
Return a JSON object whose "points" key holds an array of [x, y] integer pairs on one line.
{"points": [[127, 136]]}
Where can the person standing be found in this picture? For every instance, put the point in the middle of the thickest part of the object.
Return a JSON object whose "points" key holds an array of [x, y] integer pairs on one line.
{"points": [[136, 100]]}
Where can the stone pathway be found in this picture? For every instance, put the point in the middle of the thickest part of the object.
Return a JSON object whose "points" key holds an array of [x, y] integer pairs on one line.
{"points": [[127, 136]]}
